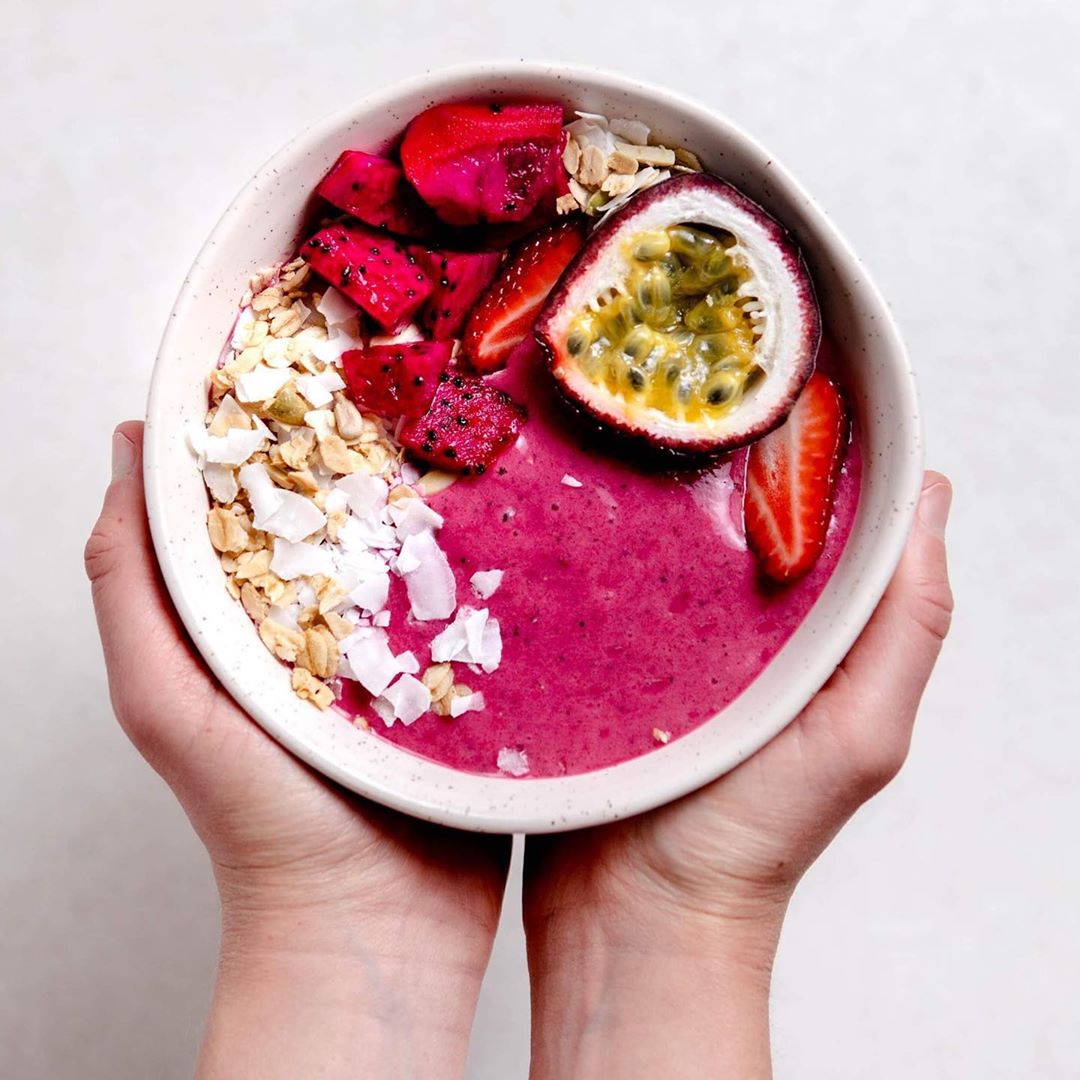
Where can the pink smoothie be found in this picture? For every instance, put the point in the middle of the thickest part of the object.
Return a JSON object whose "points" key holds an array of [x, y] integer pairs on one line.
{"points": [[627, 604]]}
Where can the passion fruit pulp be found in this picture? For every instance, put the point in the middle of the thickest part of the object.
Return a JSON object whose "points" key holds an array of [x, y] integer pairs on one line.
{"points": [[688, 319]]}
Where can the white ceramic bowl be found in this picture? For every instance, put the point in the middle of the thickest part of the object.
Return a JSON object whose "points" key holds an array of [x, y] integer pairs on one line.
{"points": [[262, 226]]}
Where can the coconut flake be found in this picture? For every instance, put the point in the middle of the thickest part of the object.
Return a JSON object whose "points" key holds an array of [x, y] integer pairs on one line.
{"points": [[412, 516], [430, 585], [570, 481], [262, 383], [366, 493], [408, 333], [227, 416], [280, 513], [408, 699], [293, 560], [335, 307], [221, 480], [472, 638], [407, 560], [631, 131], [466, 703], [371, 660], [234, 447], [485, 582], [381, 618], [242, 328], [288, 617], [314, 391], [264, 496], [512, 761], [370, 593]]}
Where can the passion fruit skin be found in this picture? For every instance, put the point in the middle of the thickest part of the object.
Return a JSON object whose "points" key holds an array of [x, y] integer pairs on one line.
{"points": [[693, 199]]}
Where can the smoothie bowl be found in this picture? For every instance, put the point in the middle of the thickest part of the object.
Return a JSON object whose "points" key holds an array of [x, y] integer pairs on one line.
{"points": [[525, 448]]}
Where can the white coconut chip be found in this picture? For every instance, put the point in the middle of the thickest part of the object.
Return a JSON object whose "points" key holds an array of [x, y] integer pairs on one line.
{"points": [[410, 474], [288, 617], [371, 660], [313, 390], [262, 383], [370, 593], [408, 699], [472, 638], [339, 339], [278, 512], [512, 761], [467, 703], [366, 494], [412, 516], [587, 132], [430, 585], [631, 131], [244, 322], [234, 447], [359, 533], [485, 582], [292, 560], [335, 307], [408, 333], [381, 618], [570, 481], [221, 480], [322, 420], [229, 415]]}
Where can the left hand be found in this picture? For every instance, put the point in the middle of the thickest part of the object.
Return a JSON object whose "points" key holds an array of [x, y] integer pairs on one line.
{"points": [[388, 915]]}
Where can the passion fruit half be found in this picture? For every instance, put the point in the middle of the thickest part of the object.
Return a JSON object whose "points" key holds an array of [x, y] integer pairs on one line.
{"points": [[688, 319]]}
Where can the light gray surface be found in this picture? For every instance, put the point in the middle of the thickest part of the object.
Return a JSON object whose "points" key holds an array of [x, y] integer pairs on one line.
{"points": [[940, 936]]}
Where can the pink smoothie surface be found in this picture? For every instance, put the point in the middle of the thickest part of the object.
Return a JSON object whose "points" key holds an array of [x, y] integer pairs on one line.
{"points": [[628, 604]]}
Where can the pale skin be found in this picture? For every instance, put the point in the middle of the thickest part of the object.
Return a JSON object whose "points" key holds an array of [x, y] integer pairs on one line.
{"points": [[354, 939]]}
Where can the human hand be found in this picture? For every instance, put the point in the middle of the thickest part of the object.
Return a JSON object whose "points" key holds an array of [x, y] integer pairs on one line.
{"points": [[352, 936], [651, 940]]}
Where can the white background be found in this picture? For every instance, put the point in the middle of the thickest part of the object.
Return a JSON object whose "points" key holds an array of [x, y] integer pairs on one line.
{"points": [[940, 936]]}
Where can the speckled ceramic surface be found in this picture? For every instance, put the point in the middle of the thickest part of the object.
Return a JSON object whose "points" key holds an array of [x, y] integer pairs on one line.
{"points": [[262, 226]]}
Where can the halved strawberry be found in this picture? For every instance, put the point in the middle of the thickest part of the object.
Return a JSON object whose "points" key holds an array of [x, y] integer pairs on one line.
{"points": [[507, 311], [791, 479], [467, 427], [396, 380], [486, 163]]}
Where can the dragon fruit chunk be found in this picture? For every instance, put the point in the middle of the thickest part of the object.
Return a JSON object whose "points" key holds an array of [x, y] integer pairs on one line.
{"points": [[467, 427], [460, 280], [486, 163], [396, 380], [371, 269], [374, 190]]}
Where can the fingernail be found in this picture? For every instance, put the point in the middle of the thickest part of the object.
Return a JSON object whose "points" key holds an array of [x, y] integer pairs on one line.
{"points": [[123, 456], [934, 508]]}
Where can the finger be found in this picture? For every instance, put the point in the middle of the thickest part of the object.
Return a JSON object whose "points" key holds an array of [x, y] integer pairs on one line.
{"points": [[150, 663], [871, 701]]}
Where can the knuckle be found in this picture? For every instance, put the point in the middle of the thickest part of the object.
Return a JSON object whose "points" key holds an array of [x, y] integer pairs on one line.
{"points": [[99, 555], [880, 759], [935, 610]]}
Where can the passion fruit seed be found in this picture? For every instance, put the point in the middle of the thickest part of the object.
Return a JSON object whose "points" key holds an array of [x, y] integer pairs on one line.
{"points": [[677, 336]]}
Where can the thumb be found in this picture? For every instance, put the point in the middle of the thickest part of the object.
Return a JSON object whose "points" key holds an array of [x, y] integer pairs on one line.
{"points": [[147, 655], [869, 704]]}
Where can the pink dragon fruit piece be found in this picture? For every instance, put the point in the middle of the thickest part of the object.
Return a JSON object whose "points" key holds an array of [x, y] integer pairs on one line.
{"points": [[460, 280], [372, 269], [374, 190], [476, 164]]}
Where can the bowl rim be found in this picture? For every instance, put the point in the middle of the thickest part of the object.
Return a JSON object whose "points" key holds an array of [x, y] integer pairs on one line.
{"points": [[567, 801]]}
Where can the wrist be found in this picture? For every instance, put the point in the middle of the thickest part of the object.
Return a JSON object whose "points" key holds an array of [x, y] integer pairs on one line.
{"points": [[330, 984], [677, 994]]}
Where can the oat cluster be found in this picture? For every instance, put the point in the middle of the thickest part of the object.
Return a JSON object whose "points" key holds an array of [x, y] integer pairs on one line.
{"points": [[313, 435]]}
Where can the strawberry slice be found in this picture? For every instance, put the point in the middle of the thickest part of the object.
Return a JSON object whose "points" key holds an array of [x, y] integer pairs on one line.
{"points": [[470, 423], [791, 479], [486, 163], [396, 380], [507, 311]]}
